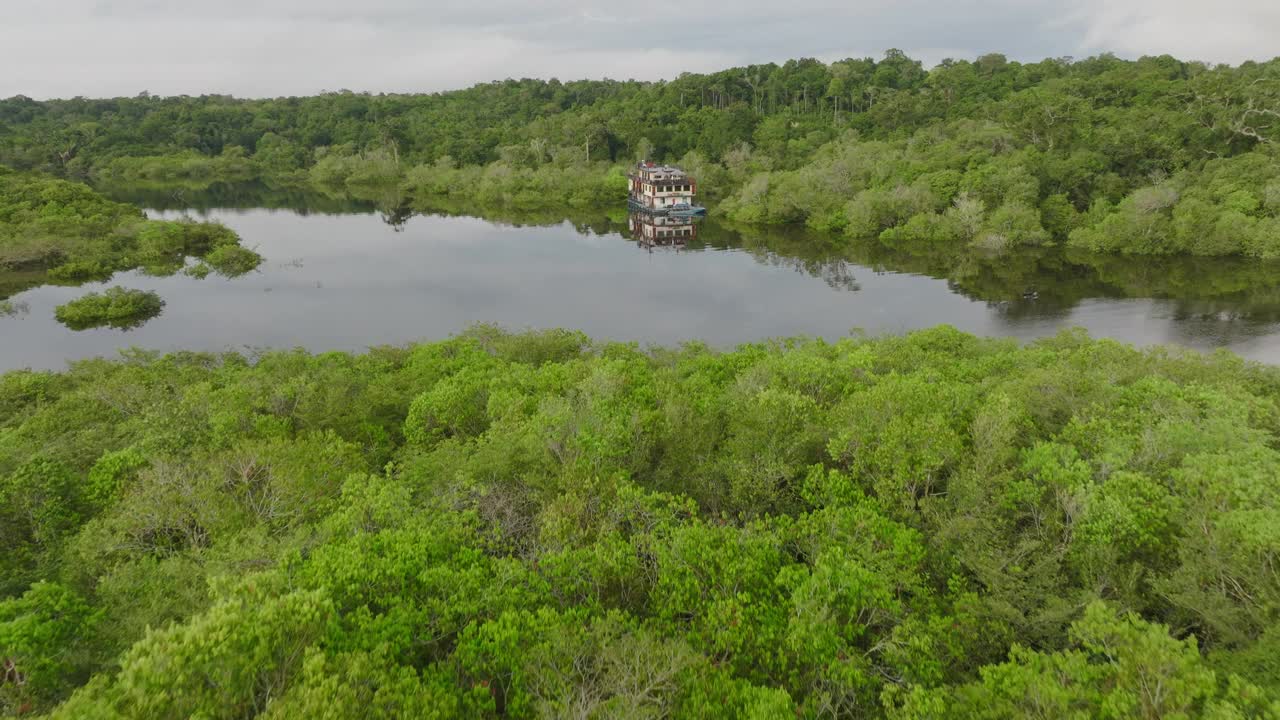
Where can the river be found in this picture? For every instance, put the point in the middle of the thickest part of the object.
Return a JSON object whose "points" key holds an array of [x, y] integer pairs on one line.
{"points": [[346, 276]]}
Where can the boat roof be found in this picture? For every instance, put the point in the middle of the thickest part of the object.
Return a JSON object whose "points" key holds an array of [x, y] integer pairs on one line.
{"points": [[661, 170]]}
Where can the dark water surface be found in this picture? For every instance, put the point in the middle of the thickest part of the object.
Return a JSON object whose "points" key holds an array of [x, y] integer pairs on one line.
{"points": [[347, 276]]}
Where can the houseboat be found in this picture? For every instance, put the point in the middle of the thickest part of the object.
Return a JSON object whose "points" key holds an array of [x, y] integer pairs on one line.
{"points": [[652, 230], [663, 190]]}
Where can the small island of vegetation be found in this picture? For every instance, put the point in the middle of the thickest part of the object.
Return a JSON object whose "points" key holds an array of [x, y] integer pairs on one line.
{"points": [[63, 232], [115, 307]]}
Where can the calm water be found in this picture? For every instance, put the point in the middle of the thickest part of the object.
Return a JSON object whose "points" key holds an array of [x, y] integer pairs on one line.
{"points": [[359, 277]]}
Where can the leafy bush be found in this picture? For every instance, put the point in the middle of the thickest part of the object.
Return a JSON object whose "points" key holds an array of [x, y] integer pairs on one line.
{"points": [[233, 260], [115, 307], [1225, 209]]}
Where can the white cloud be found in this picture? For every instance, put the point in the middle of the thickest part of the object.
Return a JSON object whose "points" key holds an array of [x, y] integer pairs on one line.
{"points": [[1229, 31], [271, 47]]}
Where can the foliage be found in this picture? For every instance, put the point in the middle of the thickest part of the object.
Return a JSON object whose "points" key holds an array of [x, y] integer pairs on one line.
{"points": [[522, 188], [115, 307], [55, 231], [189, 167], [1115, 667], [45, 639], [1150, 156], [1230, 206], [497, 525]]}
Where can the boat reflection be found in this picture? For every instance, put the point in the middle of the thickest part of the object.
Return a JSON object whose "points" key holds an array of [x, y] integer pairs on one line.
{"points": [[661, 231]]}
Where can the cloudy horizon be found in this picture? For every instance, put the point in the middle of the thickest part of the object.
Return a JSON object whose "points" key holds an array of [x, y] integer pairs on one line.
{"points": [[264, 48]]}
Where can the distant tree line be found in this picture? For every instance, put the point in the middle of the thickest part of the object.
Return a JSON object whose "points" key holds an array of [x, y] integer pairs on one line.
{"points": [[1153, 156]]}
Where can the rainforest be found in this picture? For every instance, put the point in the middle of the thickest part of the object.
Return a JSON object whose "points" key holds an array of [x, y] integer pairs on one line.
{"points": [[1150, 156], [498, 525], [333, 483]]}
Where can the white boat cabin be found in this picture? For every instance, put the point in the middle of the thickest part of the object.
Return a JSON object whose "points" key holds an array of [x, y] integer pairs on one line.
{"points": [[657, 187]]}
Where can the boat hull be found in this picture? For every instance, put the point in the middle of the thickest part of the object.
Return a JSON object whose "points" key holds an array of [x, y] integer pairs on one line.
{"points": [[692, 211]]}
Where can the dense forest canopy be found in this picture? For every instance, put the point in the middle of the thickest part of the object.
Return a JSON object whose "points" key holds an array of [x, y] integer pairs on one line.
{"points": [[1153, 156], [542, 525], [538, 525]]}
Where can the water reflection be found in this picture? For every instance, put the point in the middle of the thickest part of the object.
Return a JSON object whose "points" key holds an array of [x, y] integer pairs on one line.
{"points": [[335, 278], [1022, 284], [9, 308], [661, 231], [200, 199]]}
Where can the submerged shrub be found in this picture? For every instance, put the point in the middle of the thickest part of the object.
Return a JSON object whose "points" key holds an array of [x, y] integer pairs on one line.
{"points": [[80, 270], [116, 307], [9, 308], [232, 260]]}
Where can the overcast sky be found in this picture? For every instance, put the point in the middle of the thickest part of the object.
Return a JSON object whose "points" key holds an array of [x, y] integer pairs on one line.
{"points": [[63, 48]]}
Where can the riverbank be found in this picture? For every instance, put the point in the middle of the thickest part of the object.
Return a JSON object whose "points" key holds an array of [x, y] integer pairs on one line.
{"points": [[57, 231], [900, 193], [1154, 156]]}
